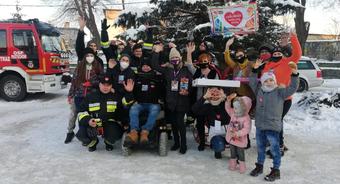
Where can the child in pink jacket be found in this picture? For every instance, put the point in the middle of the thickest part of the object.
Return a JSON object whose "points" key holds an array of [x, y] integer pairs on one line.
{"points": [[238, 129]]}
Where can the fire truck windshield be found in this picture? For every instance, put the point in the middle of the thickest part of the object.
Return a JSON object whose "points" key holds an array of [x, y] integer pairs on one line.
{"points": [[51, 43]]}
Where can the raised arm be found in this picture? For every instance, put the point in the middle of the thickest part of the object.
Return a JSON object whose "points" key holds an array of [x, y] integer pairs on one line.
{"points": [[294, 84], [296, 48], [253, 82], [155, 59], [80, 45], [230, 62], [189, 64]]}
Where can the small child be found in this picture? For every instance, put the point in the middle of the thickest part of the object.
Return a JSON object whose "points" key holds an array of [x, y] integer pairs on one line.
{"points": [[269, 107], [238, 129]]}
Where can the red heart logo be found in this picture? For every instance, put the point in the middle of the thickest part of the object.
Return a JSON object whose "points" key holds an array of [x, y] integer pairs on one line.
{"points": [[234, 18]]}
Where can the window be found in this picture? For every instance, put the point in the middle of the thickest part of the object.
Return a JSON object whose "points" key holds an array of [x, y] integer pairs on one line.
{"points": [[24, 41], [3, 43], [305, 65]]}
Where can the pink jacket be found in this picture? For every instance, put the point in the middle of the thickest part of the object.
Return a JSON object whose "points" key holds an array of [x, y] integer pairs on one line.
{"points": [[240, 125]]}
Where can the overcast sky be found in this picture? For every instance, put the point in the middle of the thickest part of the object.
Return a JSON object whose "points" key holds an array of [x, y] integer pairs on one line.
{"points": [[320, 19]]}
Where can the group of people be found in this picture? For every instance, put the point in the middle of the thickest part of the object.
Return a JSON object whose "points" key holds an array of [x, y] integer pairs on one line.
{"points": [[107, 99]]}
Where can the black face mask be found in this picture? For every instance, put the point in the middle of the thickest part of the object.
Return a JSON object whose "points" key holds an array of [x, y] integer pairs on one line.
{"points": [[240, 59], [203, 66], [275, 59]]}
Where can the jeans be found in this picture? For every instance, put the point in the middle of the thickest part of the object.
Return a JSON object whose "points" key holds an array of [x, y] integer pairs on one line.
{"points": [[153, 111], [264, 136]]}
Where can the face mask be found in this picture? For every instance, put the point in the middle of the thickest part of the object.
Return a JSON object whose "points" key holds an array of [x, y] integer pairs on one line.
{"points": [[174, 61], [89, 59], [203, 66], [268, 88], [275, 59], [240, 59], [265, 57], [124, 65]]}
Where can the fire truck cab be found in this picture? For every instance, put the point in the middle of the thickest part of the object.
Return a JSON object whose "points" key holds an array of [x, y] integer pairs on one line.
{"points": [[31, 59]]}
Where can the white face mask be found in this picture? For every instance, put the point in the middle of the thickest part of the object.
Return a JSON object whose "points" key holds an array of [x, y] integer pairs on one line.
{"points": [[124, 65], [90, 59], [266, 88]]}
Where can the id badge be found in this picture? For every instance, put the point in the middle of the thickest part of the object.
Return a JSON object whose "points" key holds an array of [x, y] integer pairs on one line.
{"points": [[145, 87], [121, 79], [218, 126], [174, 85]]}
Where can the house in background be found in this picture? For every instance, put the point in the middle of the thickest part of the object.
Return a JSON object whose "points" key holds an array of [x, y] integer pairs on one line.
{"points": [[323, 46]]}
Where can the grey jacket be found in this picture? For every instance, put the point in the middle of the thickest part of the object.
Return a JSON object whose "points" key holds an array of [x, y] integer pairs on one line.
{"points": [[269, 105]]}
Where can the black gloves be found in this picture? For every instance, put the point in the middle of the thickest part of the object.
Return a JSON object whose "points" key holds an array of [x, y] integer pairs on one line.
{"points": [[104, 25]]}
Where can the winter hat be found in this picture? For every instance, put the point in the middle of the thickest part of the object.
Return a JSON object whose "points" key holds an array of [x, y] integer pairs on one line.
{"points": [[174, 53], [277, 49], [106, 78], [90, 42], [125, 55], [266, 46], [88, 50], [268, 75]]}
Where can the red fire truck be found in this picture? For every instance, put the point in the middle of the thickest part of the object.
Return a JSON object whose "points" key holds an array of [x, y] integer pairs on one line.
{"points": [[31, 59]]}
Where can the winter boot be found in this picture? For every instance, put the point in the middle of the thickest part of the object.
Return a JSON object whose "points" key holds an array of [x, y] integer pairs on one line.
{"points": [[273, 175], [242, 166], [69, 137], [93, 145], [258, 170], [201, 147], [174, 147], [131, 138], [232, 164], [218, 155], [283, 149], [144, 137], [183, 149], [108, 146]]}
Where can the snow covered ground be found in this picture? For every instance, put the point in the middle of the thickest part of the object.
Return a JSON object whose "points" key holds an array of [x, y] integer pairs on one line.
{"points": [[32, 150]]}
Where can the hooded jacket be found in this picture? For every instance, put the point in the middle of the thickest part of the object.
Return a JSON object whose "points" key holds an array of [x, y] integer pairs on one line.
{"points": [[240, 125], [269, 105]]}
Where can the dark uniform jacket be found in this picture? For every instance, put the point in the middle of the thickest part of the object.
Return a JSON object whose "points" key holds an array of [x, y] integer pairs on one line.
{"points": [[107, 107], [183, 80], [147, 87]]}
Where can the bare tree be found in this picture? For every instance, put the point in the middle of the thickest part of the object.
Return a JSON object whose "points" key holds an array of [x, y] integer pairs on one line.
{"points": [[72, 9], [301, 26], [335, 28]]}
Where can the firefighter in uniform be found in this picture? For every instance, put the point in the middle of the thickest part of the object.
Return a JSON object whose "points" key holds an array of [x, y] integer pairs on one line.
{"points": [[99, 114]]}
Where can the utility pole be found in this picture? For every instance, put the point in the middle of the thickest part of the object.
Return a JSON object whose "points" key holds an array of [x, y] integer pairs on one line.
{"points": [[123, 3]]}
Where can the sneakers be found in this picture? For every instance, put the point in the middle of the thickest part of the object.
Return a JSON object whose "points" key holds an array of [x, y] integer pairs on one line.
{"points": [[144, 139], [218, 155], [108, 147], [131, 138], [257, 171], [232, 164], [69, 137], [201, 147], [273, 175]]}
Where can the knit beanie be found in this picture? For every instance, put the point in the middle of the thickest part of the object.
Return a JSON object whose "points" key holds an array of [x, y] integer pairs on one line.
{"points": [[174, 53], [268, 75]]}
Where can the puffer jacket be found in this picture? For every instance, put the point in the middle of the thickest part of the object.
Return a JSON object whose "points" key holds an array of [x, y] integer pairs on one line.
{"points": [[240, 125]]}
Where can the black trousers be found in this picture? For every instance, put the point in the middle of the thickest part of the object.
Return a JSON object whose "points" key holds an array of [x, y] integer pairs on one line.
{"points": [[178, 127], [286, 106], [112, 132], [200, 126]]}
